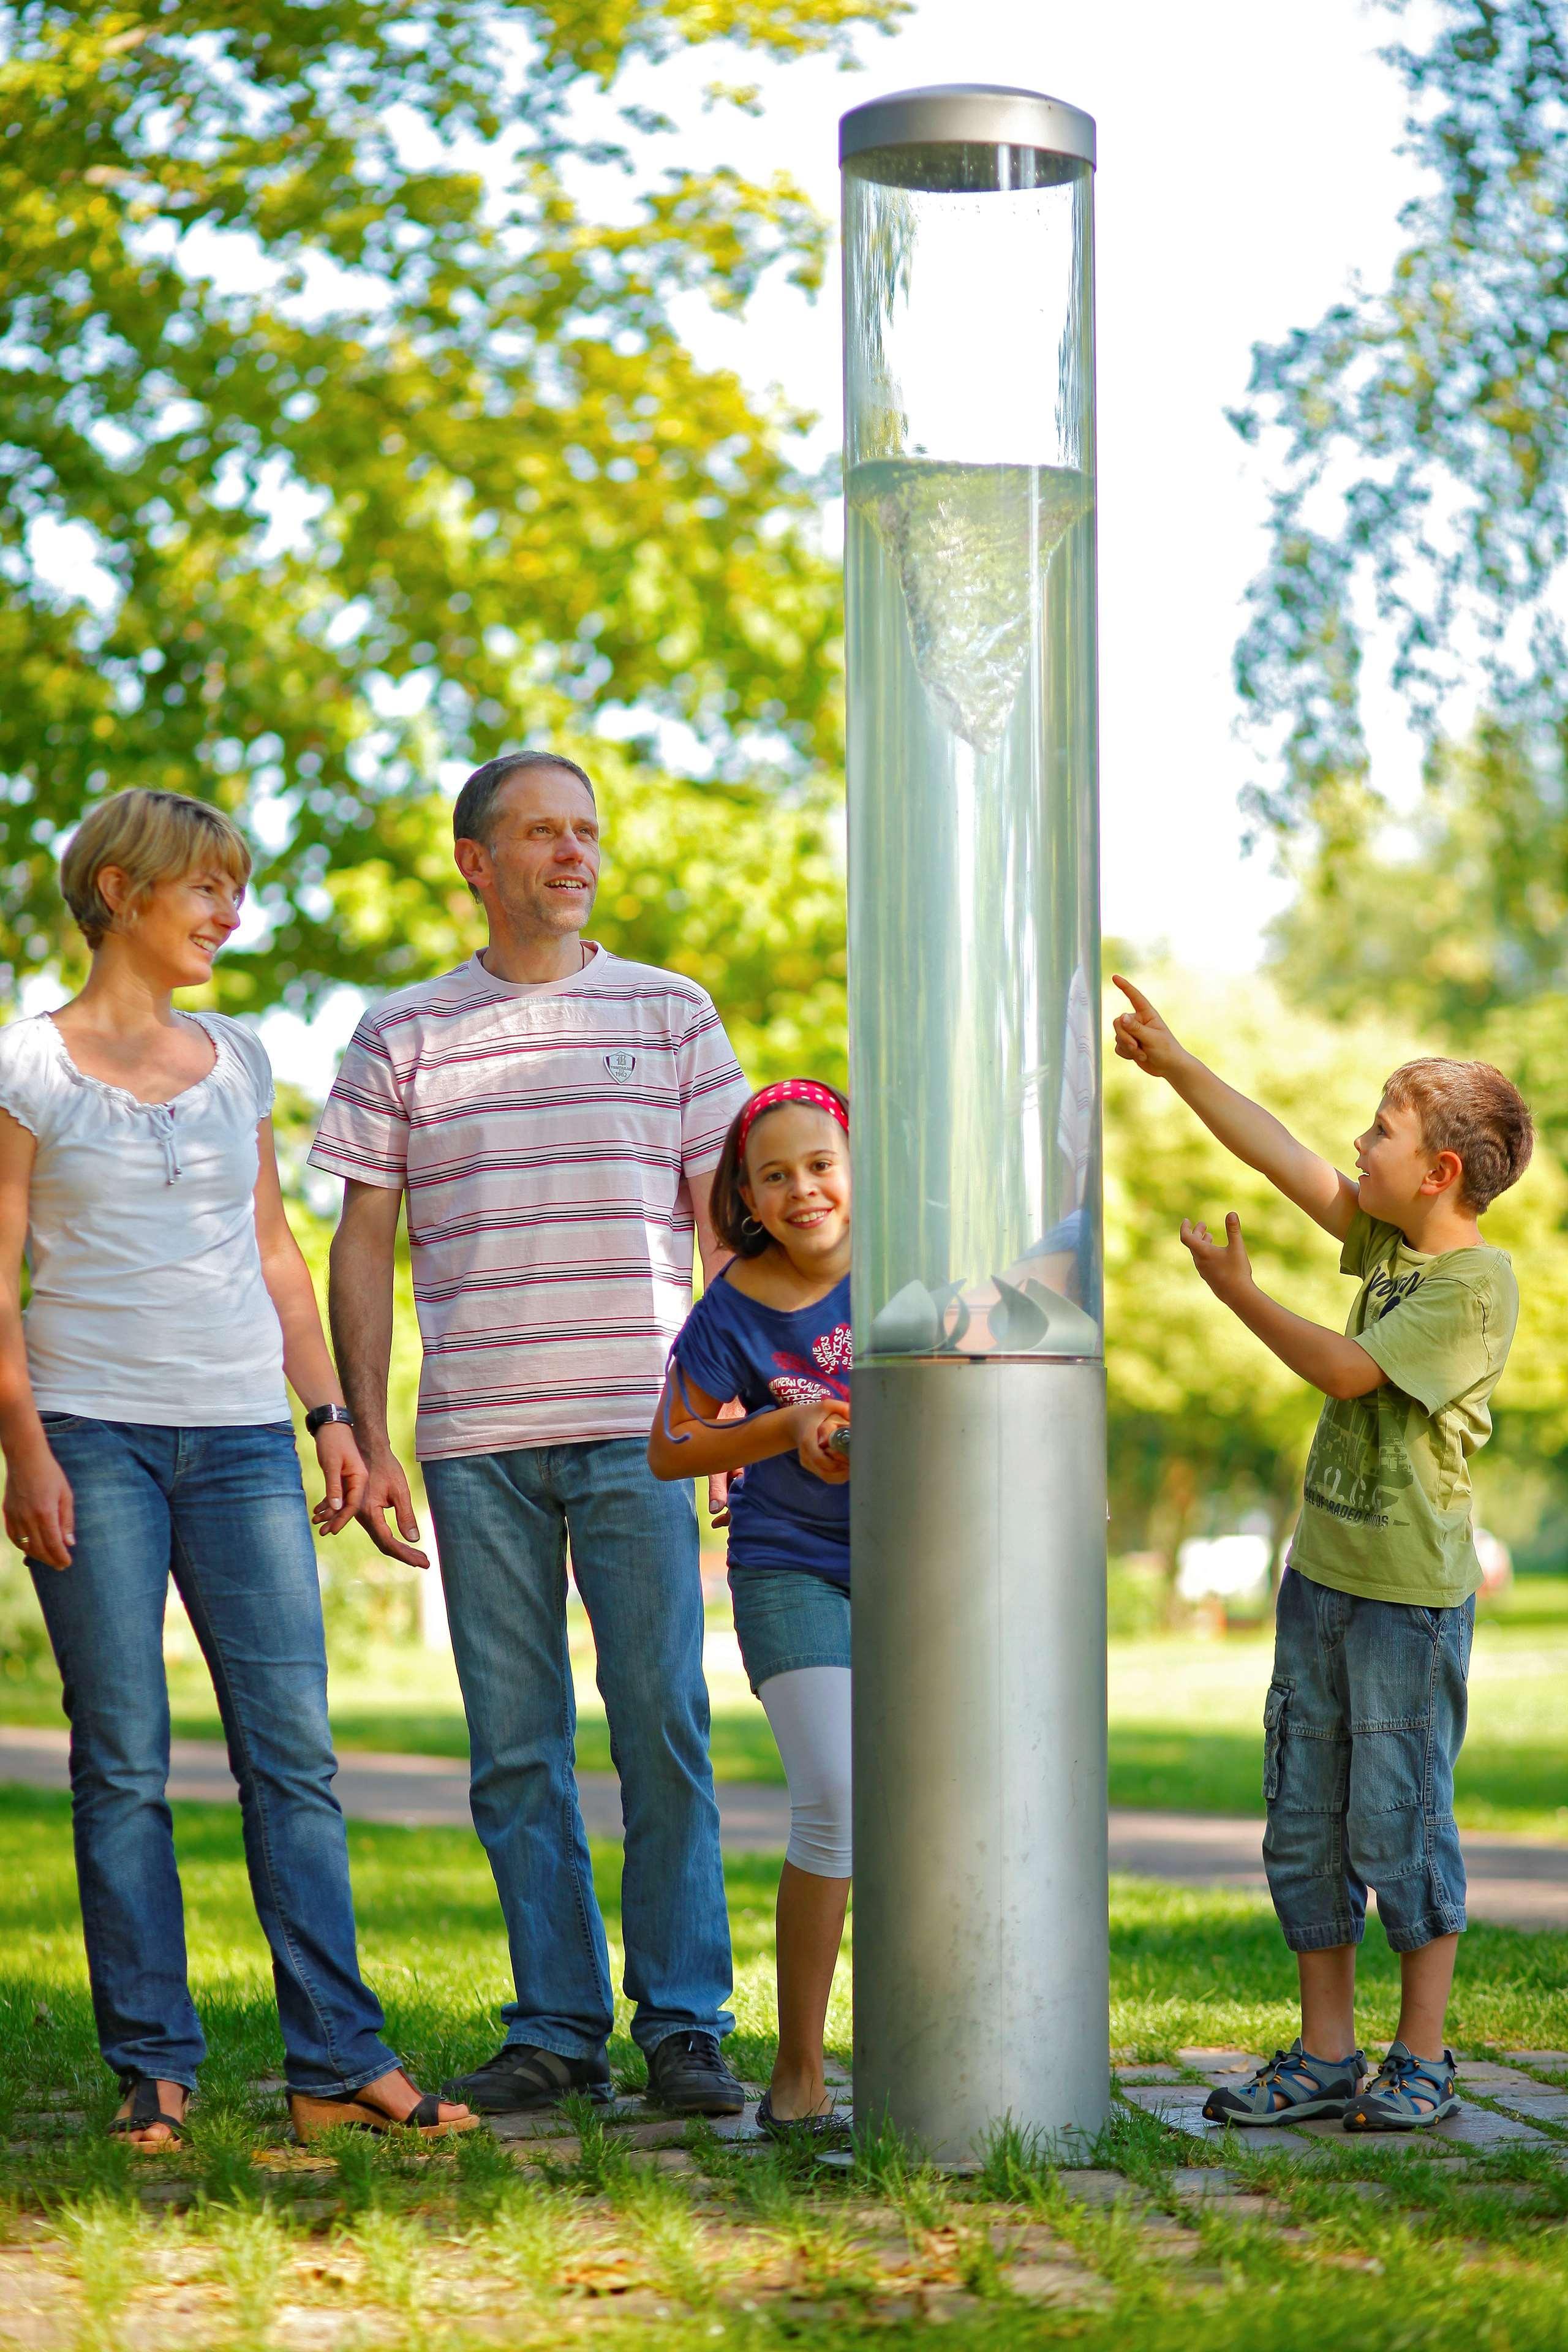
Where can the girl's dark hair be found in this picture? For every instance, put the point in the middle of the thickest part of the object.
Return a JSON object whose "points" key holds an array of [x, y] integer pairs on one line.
{"points": [[726, 1206]]}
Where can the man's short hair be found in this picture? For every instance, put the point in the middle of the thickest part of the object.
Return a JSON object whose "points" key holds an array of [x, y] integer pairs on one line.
{"points": [[474, 816], [152, 837], [1472, 1109]]}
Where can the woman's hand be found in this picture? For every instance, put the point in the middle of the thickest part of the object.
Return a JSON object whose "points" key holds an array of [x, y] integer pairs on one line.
{"points": [[815, 1425], [343, 1467], [40, 1509]]}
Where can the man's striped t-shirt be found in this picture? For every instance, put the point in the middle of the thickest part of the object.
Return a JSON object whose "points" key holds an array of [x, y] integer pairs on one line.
{"points": [[545, 1136]]}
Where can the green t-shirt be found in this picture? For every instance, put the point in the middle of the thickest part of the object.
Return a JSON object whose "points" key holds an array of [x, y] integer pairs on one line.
{"points": [[1386, 1511]]}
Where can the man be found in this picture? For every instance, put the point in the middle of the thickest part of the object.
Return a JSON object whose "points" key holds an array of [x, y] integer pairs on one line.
{"points": [[553, 1116]]}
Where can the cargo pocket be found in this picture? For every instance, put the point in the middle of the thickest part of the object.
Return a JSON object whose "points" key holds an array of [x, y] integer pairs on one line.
{"points": [[1273, 1737]]}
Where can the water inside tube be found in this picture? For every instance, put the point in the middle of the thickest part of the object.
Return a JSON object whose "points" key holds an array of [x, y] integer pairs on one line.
{"points": [[970, 545]]}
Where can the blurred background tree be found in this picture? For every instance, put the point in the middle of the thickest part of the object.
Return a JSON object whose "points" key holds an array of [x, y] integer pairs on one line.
{"points": [[345, 430], [1416, 438]]}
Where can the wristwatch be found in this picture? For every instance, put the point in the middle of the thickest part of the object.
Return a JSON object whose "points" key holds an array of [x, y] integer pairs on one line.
{"points": [[319, 1414]]}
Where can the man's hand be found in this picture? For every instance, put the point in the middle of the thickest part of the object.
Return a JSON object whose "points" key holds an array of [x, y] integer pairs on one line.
{"points": [[1225, 1266], [386, 1489], [1144, 1037]]}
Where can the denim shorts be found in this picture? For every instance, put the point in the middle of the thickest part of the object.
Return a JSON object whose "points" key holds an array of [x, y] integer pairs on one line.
{"points": [[785, 1618], [1362, 1723]]}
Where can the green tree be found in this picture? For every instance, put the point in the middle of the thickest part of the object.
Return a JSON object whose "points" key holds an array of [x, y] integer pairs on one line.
{"points": [[345, 430], [1421, 434]]}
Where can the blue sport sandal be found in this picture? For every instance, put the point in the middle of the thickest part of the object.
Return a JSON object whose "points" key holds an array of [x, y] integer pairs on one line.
{"points": [[1407, 2094], [1293, 2087]]}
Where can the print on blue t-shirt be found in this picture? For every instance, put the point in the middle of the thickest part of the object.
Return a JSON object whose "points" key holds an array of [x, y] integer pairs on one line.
{"points": [[733, 1346]]}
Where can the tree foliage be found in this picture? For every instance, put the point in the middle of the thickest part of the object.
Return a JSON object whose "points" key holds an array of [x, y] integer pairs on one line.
{"points": [[1422, 432], [345, 430]]}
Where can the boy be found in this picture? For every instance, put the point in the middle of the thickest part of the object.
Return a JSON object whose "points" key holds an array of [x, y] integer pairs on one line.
{"points": [[1366, 1710]]}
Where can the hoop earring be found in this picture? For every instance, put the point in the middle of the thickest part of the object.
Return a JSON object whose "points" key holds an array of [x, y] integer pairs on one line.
{"points": [[749, 1225]]}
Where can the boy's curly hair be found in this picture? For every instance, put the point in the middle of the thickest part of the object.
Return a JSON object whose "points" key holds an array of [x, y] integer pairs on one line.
{"points": [[1472, 1109]]}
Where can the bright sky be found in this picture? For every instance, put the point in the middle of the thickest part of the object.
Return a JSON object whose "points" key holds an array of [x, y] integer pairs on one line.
{"points": [[1247, 172]]}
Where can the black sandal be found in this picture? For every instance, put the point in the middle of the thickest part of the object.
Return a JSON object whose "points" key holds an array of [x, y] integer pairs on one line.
{"points": [[311, 2113], [826, 2128], [146, 2111]]}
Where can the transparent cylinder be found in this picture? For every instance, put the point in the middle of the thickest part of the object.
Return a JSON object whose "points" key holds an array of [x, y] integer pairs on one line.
{"points": [[970, 582]]}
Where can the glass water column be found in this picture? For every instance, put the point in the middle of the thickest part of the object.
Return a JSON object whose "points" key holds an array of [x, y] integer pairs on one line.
{"points": [[978, 1495]]}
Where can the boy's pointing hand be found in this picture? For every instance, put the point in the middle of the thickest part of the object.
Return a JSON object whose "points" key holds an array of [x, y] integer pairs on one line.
{"points": [[1142, 1036], [1225, 1266]]}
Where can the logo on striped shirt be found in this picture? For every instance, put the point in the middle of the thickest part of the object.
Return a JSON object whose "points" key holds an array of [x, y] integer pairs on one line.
{"points": [[620, 1067]]}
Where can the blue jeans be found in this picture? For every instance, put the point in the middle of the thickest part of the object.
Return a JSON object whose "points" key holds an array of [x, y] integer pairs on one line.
{"points": [[223, 1511], [502, 1522], [787, 1618], [1363, 1720]]}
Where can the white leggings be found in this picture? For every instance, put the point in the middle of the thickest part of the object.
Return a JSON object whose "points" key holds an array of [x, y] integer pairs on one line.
{"points": [[810, 1711]]}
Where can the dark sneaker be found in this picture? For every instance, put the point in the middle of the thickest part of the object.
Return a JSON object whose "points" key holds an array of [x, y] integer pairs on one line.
{"points": [[1407, 2094], [520, 2077], [685, 2075], [1293, 2087]]}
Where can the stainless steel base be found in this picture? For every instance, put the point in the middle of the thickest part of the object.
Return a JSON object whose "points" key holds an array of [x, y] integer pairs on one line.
{"points": [[981, 1944]]}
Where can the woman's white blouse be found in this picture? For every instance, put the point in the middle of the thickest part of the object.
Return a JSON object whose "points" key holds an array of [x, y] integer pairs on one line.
{"points": [[148, 1302]]}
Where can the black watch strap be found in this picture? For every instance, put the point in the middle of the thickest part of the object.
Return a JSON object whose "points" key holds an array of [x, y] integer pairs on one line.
{"points": [[321, 1414]]}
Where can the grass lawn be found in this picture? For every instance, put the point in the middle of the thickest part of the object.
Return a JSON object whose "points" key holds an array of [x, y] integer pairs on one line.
{"points": [[1185, 1717], [242, 2242], [1186, 1713]]}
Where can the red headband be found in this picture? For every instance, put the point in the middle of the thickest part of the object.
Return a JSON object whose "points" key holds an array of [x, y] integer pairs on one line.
{"points": [[788, 1090]]}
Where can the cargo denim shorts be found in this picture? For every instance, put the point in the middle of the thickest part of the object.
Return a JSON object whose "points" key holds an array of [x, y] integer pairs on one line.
{"points": [[1364, 1719]]}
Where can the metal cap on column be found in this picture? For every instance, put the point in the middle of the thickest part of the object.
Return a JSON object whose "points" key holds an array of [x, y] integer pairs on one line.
{"points": [[978, 1496]]}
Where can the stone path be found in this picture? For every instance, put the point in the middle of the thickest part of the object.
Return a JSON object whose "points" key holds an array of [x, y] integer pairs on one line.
{"points": [[1505, 2106], [1512, 1882]]}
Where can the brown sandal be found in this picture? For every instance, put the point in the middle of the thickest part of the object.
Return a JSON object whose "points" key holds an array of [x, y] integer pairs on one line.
{"points": [[313, 2113]]}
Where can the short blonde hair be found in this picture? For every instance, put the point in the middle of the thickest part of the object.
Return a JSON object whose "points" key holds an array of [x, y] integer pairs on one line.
{"points": [[152, 837], [1470, 1109]]}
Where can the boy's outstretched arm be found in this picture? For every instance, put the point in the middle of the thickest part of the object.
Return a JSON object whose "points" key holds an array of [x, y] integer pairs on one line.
{"points": [[1327, 1358], [1243, 1127]]}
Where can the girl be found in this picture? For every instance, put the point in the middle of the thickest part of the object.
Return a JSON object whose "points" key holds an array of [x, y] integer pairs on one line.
{"points": [[772, 1330], [145, 1429]]}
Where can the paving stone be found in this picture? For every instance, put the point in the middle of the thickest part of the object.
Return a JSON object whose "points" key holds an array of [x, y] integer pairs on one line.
{"points": [[1246, 2205], [1029, 2241], [1538, 2106], [1165, 2226], [1218, 2060], [1154, 2099], [1094, 2186], [1258, 2140], [1481, 2074], [1554, 2060], [1061, 2282], [538, 2151], [1147, 2075], [1203, 2180], [1471, 2128]]}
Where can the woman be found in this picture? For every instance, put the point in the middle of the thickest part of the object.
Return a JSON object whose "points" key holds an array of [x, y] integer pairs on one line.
{"points": [[773, 1331], [145, 1429]]}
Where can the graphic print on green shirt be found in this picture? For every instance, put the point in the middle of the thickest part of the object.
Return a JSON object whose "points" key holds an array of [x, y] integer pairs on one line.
{"points": [[1386, 1508]]}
